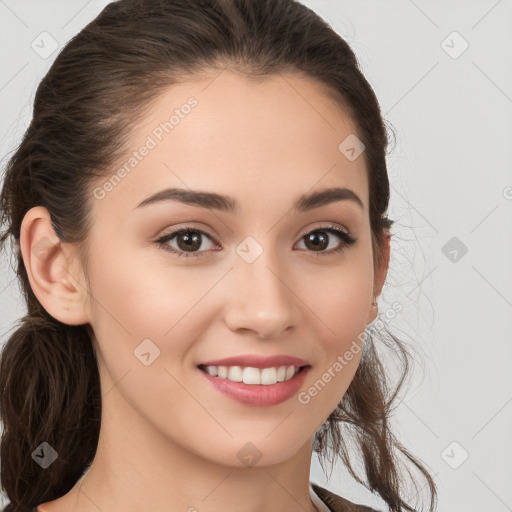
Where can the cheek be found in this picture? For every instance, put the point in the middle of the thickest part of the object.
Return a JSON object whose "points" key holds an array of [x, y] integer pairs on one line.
{"points": [[340, 306], [141, 299], [142, 316], [340, 301], [138, 295]]}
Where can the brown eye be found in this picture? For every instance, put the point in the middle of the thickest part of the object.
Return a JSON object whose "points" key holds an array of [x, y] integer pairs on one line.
{"points": [[318, 240], [188, 240]]}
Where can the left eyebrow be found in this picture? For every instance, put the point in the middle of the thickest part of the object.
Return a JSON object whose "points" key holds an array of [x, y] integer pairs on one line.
{"points": [[224, 203]]}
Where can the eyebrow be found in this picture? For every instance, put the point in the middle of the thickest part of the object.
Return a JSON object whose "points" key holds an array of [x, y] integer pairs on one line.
{"points": [[228, 204]]}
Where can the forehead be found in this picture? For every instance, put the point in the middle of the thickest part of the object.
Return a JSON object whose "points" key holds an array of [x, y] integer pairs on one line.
{"points": [[270, 139]]}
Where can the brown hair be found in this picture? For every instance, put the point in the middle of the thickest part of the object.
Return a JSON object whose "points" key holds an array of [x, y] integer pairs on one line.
{"points": [[97, 89]]}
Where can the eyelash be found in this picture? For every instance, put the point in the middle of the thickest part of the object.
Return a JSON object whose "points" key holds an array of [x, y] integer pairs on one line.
{"points": [[346, 238]]}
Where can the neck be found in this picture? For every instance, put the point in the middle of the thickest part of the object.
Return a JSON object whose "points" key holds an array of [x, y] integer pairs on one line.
{"points": [[136, 467]]}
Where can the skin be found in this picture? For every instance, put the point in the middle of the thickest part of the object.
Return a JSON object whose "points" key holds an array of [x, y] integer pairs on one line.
{"points": [[169, 440]]}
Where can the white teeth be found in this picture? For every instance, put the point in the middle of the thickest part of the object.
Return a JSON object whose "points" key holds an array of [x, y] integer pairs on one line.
{"points": [[269, 376], [235, 374], [250, 375], [290, 372], [212, 370]]}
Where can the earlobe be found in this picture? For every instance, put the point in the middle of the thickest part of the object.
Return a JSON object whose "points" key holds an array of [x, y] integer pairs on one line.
{"points": [[382, 270], [380, 275], [48, 269], [372, 314]]}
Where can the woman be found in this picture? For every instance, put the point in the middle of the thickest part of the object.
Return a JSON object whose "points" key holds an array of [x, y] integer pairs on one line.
{"points": [[199, 210]]}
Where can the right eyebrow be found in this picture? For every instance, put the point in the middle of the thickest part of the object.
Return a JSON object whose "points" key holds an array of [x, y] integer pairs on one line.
{"points": [[212, 200]]}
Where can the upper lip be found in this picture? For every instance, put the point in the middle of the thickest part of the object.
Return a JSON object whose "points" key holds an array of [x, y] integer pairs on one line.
{"points": [[254, 361]]}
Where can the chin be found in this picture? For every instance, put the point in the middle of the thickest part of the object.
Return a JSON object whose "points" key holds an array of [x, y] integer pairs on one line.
{"points": [[255, 451]]}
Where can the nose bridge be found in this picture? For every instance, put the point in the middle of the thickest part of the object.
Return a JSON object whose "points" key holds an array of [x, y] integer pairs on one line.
{"points": [[263, 300]]}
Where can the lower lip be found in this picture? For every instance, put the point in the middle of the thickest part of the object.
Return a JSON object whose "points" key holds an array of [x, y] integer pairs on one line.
{"points": [[258, 395]]}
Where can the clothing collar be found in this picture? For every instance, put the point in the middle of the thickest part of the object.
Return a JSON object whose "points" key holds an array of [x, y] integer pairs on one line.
{"points": [[319, 504]]}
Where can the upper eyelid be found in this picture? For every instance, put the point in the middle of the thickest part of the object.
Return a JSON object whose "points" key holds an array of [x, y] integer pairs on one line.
{"points": [[174, 232], [343, 234], [331, 226]]}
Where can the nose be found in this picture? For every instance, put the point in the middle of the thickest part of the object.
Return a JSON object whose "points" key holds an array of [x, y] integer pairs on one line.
{"points": [[261, 299]]}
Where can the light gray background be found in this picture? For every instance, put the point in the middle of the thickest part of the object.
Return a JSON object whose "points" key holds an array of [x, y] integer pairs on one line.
{"points": [[451, 176]]}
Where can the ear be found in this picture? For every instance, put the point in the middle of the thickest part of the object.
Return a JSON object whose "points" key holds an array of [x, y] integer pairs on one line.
{"points": [[380, 274], [50, 268]]}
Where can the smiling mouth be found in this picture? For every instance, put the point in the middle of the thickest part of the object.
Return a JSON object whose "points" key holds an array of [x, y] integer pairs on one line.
{"points": [[254, 376]]}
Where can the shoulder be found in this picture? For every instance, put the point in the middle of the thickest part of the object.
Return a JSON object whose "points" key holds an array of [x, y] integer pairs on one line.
{"points": [[337, 503]]}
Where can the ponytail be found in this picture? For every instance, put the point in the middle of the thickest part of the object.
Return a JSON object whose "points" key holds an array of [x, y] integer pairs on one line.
{"points": [[50, 405]]}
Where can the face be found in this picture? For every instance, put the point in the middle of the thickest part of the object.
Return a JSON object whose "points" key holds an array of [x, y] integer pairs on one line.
{"points": [[250, 285]]}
